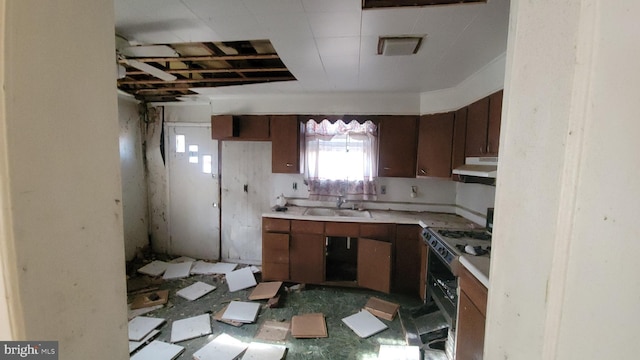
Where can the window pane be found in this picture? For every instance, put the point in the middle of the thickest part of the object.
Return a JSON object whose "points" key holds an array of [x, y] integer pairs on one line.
{"points": [[180, 143], [206, 164], [193, 154]]}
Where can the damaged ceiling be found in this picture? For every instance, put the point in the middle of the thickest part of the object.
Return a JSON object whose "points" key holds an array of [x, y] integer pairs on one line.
{"points": [[202, 65]]}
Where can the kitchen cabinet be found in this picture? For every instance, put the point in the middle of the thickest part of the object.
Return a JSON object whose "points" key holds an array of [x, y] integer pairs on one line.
{"points": [[240, 127], [397, 136], [483, 126], [287, 138], [472, 307], [376, 231], [374, 264], [275, 249], [459, 138], [424, 264], [435, 140], [306, 252], [407, 259]]}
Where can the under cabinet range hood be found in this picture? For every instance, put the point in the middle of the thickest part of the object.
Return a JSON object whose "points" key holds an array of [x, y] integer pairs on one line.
{"points": [[483, 167]]}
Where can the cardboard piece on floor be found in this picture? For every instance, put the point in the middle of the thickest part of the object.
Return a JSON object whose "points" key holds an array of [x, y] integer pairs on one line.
{"points": [[223, 347], [142, 311], [135, 345], [154, 268], [242, 311], [218, 317], [195, 291], [202, 268], [141, 326], [183, 259], [273, 331], [240, 279], [149, 299], [398, 352], [190, 328], [265, 290], [309, 326], [364, 324], [381, 308], [177, 271], [260, 351], [158, 350]]}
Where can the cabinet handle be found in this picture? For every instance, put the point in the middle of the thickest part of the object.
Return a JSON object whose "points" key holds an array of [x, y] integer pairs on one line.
{"points": [[481, 149], [423, 172], [289, 164], [386, 168], [488, 147]]}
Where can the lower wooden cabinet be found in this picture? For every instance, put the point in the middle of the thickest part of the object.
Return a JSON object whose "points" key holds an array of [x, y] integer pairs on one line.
{"points": [[275, 255], [306, 258], [407, 259], [472, 308], [374, 264]]}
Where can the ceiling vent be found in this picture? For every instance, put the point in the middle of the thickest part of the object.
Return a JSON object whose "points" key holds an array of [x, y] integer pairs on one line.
{"points": [[399, 45]]}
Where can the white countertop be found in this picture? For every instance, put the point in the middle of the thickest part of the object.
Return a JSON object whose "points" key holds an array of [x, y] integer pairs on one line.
{"points": [[478, 266], [422, 218]]}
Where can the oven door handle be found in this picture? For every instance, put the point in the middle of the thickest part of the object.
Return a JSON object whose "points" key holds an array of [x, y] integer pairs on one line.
{"points": [[455, 266]]}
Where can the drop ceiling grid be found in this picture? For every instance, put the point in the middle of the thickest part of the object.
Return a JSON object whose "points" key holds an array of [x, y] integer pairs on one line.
{"points": [[382, 22]]}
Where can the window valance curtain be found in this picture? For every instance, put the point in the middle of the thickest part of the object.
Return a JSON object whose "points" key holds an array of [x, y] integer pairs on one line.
{"points": [[341, 159]]}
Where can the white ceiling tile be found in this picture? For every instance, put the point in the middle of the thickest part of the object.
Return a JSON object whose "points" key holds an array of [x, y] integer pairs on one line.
{"points": [[334, 24], [338, 46], [382, 22], [261, 7], [228, 18], [332, 5]]}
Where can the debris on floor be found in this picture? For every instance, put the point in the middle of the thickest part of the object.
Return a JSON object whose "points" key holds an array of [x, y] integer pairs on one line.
{"points": [[309, 326], [189, 328], [242, 311], [223, 347], [141, 326], [260, 351], [398, 352], [177, 270], [195, 291], [182, 259], [240, 279], [218, 317], [139, 312], [382, 308], [135, 345], [155, 268], [265, 290], [150, 299], [158, 350], [273, 330], [364, 324]]}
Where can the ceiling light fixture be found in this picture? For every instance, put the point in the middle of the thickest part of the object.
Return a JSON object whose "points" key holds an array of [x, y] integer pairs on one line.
{"points": [[399, 45]]}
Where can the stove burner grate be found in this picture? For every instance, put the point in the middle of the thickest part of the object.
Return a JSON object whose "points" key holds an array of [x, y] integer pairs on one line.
{"points": [[458, 234]]}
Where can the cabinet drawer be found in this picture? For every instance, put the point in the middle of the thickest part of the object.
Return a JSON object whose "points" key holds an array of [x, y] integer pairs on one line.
{"points": [[385, 232], [474, 289], [275, 225], [342, 229], [307, 227]]}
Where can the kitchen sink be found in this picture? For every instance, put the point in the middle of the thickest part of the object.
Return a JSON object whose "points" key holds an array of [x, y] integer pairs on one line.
{"points": [[354, 213], [337, 212]]}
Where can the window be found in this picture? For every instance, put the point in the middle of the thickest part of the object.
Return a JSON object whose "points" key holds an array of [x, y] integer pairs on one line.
{"points": [[341, 159]]}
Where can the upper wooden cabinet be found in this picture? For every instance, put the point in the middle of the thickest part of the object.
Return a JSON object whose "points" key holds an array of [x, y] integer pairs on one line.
{"points": [[459, 138], [287, 137], [483, 126], [240, 127], [435, 138], [397, 146]]}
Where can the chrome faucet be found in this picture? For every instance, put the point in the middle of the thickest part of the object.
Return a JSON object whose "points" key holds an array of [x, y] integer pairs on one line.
{"points": [[340, 201]]}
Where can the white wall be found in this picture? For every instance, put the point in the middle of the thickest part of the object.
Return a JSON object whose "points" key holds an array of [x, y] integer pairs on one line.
{"points": [[134, 179], [61, 175], [564, 272]]}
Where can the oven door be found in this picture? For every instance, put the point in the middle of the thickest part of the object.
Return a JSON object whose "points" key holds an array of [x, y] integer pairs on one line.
{"points": [[442, 287]]}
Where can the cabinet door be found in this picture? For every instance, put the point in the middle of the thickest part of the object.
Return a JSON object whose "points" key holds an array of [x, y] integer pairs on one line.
{"points": [[397, 146], [222, 127], [384, 232], [470, 331], [495, 117], [459, 138], [306, 258], [253, 127], [287, 144], [407, 259], [424, 263], [435, 139], [374, 264], [275, 256], [477, 123]]}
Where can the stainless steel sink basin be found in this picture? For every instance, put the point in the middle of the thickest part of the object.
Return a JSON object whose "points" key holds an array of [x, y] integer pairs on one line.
{"points": [[320, 212], [354, 213], [337, 212]]}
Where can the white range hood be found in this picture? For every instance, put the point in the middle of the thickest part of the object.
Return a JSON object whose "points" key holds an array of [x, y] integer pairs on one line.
{"points": [[485, 167]]}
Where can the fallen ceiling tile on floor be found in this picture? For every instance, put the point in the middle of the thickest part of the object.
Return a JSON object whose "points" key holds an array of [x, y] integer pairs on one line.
{"points": [[309, 326], [242, 311], [202, 268], [190, 328], [150, 299], [218, 317], [272, 330], [223, 268], [141, 326], [154, 268], [158, 350], [223, 347], [142, 311], [265, 290], [177, 271], [135, 345], [195, 291], [398, 352], [364, 324], [241, 279], [182, 259], [260, 351]]}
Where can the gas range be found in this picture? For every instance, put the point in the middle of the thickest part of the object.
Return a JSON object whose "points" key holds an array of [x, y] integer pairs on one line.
{"points": [[448, 243]]}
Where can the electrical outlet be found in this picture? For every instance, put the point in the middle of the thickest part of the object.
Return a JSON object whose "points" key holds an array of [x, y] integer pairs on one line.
{"points": [[383, 189]]}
